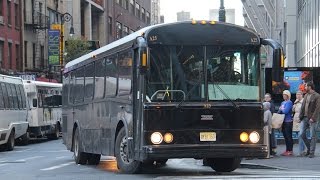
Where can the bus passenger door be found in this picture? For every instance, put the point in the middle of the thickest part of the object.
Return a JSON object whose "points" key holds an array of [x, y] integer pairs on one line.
{"points": [[138, 99]]}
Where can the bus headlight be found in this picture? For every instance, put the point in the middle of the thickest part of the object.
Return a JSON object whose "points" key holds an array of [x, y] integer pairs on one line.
{"points": [[168, 138], [254, 137], [244, 137], [156, 138]]}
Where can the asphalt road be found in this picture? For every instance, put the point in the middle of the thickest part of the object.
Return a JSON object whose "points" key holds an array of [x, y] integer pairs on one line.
{"points": [[48, 160]]}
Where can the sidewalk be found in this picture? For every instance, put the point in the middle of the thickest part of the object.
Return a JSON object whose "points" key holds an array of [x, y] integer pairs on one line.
{"points": [[292, 162]]}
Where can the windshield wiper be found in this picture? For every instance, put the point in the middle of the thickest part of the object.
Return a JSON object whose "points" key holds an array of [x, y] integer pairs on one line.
{"points": [[183, 100], [225, 95]]}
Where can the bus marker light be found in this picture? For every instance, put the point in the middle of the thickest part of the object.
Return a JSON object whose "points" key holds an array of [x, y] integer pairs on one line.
{"points": [[254, 137], [156, 138], [244, 137], [168, 138], [212, 22], [203, 22], [144, 60]]}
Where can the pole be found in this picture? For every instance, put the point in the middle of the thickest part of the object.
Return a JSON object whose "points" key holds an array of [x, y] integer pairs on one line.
{"points": [[61, 47], [222, 12]]}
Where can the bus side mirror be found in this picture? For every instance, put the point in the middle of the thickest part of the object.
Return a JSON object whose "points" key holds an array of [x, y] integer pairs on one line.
{"points": [[34, 102], [278, 63]]}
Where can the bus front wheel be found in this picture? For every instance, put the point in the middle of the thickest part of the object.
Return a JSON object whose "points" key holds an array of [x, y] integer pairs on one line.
{"points": [[79, 157], [125, 164], [223, 164], [10, 143]]}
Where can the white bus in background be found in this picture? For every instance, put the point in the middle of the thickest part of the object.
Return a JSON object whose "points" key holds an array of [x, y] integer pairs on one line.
{"points": [[13, 111], [45, 108]]}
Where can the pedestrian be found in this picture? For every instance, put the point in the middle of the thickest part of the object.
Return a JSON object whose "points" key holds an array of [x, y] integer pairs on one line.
{"points": [[286, 109], [310, 110], [268, 98], [272, 139], [296, 109], [267, 118]]}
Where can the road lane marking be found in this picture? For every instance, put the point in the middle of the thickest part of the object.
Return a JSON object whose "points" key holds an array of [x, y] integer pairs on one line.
{"points": [[57, 167], [30, 158]]}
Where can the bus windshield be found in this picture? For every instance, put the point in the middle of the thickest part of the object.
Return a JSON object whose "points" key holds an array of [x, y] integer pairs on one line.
{"points": [[177, 73]]}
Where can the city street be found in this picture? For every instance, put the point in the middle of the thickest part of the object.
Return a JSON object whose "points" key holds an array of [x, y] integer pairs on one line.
{"points": [[48, 160]]}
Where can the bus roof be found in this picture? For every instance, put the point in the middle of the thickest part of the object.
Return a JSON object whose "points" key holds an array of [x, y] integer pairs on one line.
{"points": [[10, 79], [43, 84], [133, 36]]}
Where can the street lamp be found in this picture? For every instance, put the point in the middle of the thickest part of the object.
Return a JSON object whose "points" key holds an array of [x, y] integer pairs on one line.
{"points": [[222, 12], [66, 17]]}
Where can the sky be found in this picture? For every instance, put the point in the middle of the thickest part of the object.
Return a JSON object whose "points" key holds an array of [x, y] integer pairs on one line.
{"points": [[199, 9]]}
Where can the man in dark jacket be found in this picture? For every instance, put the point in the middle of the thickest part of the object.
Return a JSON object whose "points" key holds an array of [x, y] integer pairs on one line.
{"points": [[310, 110]]}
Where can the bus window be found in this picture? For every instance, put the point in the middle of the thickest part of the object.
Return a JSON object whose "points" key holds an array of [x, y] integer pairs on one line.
{"points": [[89, 81], [78, 88], [10, 96], [19, 94], [65, 89], [71, 86], [125, 72], [111, 76], [23, 99], [5, 95], [100, 69], [1, 99], [14, 96]]}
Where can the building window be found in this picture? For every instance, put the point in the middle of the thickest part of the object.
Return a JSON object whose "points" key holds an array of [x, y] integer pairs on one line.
{"points": [[125, 31], [119, 30], [9, 12], [148, 17], [1, 53], [126, 4], [110, 25], [143, 15], [1, 8], [42, 56], [131, 6], [34, 55], [137, 10], [17, 15], [18, 65], [10, 55], [25, 53]]}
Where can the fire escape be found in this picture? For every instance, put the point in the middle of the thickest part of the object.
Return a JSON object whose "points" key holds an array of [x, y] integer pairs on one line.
{"points": [[38, 23]]}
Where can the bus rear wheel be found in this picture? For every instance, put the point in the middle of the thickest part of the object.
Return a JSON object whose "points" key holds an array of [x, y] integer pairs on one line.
{"points": [[224, 164], [10, 143], [125, 164], [79, 157]]}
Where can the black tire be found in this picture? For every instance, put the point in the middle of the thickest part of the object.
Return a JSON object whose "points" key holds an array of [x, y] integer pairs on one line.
{"points": [[94, 159], [56, 133], [10, 144], [224, 164], [79, 157], [125, 165], [24, 140]]}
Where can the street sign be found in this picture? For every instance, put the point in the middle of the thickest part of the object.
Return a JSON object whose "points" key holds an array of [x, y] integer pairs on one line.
{"points": [[53, 47]]}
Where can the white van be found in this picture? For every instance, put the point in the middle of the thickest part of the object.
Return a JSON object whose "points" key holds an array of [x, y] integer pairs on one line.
{"points": [[13, 111]]}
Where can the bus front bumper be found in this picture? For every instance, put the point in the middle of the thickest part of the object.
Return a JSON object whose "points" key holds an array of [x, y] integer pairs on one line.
{"points": [[204, 151]]}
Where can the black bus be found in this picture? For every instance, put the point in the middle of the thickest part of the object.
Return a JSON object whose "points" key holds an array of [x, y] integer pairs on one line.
{"points": [[180, 90]]}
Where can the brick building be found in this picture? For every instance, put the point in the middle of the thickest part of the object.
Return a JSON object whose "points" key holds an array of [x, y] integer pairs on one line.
{"points": [[10, 36]]}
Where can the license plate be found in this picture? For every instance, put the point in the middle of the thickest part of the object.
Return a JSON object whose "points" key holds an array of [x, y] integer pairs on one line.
{"points": [[208, 136]]}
